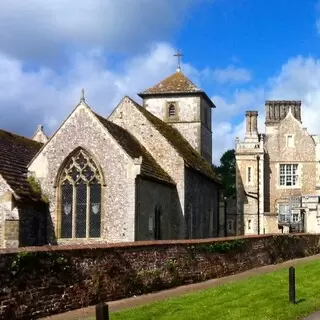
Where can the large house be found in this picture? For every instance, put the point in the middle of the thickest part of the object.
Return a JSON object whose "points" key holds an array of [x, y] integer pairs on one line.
{"points": [[278, 178]]}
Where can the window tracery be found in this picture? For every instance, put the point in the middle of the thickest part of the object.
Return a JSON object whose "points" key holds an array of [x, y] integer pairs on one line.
{"points": [[80, 191]]}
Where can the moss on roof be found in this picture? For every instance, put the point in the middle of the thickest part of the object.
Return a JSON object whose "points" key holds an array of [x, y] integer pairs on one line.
{"points": [[191, 157], [176, 82], [15, 153], [149, 167]]}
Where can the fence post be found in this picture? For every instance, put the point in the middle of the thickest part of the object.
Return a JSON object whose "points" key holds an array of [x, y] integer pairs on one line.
{"points": [[292, 285], [102, 311]]}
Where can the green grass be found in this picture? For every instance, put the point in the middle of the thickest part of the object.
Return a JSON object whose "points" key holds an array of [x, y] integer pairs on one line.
{"points": [[262, 297]]}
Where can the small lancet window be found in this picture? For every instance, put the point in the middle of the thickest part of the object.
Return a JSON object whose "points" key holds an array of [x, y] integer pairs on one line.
{"points": [[172, 110], [80, 194]]}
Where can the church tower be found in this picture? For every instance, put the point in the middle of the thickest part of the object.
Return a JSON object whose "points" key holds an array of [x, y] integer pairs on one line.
{"points": [[177, 101]]}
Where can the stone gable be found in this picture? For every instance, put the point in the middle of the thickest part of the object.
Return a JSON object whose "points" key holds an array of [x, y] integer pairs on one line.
{"points": [[303, 153], [197, 191], [83, 130], [127, 116]]}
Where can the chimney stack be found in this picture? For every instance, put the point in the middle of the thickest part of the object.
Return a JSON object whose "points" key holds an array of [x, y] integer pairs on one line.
{"points": [[251, 123], [277, 110]]}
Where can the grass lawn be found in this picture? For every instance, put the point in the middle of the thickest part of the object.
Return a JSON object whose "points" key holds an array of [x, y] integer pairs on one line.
{"points": [[262, 297]]}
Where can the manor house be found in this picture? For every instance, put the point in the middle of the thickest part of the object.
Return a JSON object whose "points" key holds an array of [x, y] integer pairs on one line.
{"points": [[277, 173], [142, 173]]}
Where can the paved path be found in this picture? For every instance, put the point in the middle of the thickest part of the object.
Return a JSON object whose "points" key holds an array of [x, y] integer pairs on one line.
{"points": [[82, 314], [314, 316]]}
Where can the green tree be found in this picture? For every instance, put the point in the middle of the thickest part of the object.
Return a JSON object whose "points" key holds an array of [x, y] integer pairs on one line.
{"points": [[227, 173]]}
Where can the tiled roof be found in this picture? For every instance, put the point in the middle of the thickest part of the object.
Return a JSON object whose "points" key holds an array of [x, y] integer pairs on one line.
{"points": [[149, 167], [191, 157], [176, 83], [15, 154]]}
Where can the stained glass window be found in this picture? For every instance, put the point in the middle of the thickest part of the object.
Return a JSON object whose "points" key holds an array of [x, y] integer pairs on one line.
{"points": [[80, 188]]}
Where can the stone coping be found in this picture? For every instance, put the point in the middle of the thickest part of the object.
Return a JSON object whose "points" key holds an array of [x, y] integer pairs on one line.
{"points": [[140, 244]]}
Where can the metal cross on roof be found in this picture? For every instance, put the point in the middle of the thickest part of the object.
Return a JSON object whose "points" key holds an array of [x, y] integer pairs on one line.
{"points": [[178, 55]]}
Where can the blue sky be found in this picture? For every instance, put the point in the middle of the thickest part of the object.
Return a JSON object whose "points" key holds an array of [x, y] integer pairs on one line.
{"points": [[240, 51]]}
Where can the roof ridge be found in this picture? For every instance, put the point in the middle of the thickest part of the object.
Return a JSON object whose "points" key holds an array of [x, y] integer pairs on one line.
{"points": [[16, 135]]}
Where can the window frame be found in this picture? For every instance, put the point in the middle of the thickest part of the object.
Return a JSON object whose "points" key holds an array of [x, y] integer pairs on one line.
{"points": [[287, 140], [288, 172], [169, 105], [96, 180], [284, 215]]}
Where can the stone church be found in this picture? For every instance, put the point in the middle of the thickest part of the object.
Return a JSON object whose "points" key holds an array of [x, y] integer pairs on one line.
{"points": [[142, 173], [277, 174]]}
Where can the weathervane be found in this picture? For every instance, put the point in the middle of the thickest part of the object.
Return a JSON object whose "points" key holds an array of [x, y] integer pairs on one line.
{"points": [[178, 55], [82, 98]]}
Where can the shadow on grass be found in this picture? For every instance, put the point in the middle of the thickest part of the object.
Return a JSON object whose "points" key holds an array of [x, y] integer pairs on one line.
{"points": [[300, 300]]}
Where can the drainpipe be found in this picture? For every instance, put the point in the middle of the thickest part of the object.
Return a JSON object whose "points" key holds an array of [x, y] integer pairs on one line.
{"points": [[225, 217], [258, 192]]}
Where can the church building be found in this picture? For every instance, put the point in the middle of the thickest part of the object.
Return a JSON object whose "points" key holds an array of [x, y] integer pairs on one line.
{"points": [[277, 173], [144, 172]]}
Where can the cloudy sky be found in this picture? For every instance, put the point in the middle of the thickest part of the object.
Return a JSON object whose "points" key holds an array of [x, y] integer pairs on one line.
{"points": [[240, 51]]}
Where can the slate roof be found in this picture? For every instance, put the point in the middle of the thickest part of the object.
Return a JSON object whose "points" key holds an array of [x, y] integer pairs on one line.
{"points": [[176, 83], [15, 154], [191, 157], [149, 168]]}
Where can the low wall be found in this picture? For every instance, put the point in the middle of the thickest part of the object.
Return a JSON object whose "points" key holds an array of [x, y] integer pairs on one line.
{"points": [[36, 282]]}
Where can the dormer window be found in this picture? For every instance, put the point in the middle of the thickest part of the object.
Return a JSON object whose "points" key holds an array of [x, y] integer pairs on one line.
{"points": [[172, 110]]}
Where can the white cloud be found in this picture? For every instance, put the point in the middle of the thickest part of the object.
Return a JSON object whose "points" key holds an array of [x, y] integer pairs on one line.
{"points": [[42, 30], [90, 28], [28, 98], [230, 75], [238, 102], [46, 96], [298, 79]]}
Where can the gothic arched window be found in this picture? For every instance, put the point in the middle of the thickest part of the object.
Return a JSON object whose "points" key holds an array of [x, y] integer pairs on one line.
{"points": [[80, 193]]}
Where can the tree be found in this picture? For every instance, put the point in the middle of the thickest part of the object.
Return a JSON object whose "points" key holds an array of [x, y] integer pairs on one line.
{"points": [[227, 173]]}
